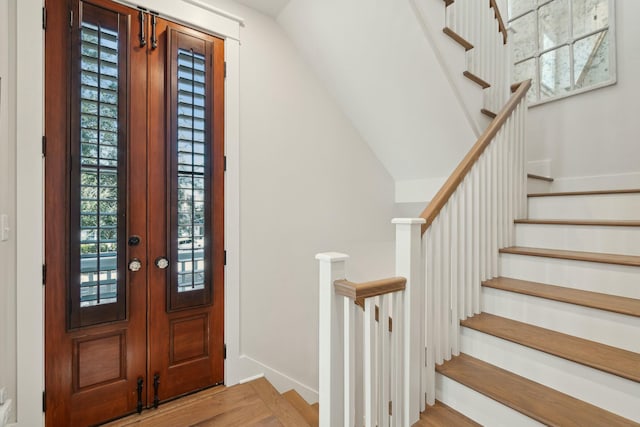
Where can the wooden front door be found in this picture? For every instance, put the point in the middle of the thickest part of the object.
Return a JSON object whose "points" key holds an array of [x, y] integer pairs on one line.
{"points": [[134, 211]]}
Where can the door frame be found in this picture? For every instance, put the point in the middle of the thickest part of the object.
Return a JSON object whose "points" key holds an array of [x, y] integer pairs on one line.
{"points": [[30, 188]]}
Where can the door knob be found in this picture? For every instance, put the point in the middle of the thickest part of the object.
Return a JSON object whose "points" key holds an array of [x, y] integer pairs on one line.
{"points": [[162, 262], [135, 264]]}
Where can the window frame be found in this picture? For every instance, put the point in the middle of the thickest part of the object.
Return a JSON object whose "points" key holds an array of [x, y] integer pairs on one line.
{"points": [[571, 41]]}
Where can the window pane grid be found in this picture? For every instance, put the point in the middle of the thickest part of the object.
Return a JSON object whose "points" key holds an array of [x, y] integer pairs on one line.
{"points": [[190, 171], [573, 48], [98, 166]]}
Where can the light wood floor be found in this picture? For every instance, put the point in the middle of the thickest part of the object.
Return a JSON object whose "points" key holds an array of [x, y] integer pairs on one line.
{"points": [[255, 403]]}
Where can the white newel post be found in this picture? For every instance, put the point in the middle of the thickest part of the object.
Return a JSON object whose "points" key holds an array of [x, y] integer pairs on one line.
{"points": [[331, 334], [409, 265]]}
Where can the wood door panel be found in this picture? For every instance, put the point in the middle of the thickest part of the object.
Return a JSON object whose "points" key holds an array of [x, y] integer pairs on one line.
{"points": [[188, 338], [98, 360]]}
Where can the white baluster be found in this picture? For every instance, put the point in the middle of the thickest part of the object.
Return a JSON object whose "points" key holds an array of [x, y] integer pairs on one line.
{"points": [[330, 389], [464, 264], [477, 251], [445, 294], [430, 382], [470, 214], [397, 336], [437, 289], [349, 361], [523, 160], [369, 354], [385, 361], [454, 263]]}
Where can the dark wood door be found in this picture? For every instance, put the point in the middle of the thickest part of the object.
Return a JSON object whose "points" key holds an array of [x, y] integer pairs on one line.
{"points": [[185, 225], [134, 255]]}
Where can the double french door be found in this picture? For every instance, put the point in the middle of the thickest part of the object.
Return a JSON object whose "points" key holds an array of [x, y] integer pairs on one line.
{"points": [[134, 211]]}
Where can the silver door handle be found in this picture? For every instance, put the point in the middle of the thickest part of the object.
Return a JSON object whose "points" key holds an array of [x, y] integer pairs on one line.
{"points": [[135, 264], [162, 262]]}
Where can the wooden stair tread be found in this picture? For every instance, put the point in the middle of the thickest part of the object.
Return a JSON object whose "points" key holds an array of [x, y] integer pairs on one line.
{"points": [[488, 113], [612, 303], [623, 363], [441, 415], [590, 222], [605, 258], [539, 177], [280, 407], [586, 193], [532, 399], [301, 405], [483, 83], [458, 38]]}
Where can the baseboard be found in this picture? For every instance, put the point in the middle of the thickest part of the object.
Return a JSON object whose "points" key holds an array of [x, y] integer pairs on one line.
{"points": [[597, 182], [251, 369]]}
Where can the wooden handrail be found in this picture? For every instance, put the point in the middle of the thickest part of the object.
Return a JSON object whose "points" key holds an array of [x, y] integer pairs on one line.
{"points": [[444, 194], [361, 291], [498, 15]]}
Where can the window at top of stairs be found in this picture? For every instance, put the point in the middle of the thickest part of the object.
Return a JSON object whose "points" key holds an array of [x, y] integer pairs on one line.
{"points": [[565, 46]]}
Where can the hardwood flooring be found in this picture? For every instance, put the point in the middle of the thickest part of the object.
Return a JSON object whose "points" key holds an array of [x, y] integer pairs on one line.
{"points": [[255, 403]]}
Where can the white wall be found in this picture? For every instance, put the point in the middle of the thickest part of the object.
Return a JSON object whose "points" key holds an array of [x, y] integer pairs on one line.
{"points": [[376, 61], [308, 184], [7, 199], [595, 134]]}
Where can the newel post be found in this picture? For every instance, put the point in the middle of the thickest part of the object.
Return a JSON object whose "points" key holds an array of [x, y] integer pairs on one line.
{"points": [[408, 265], [331, 334]]}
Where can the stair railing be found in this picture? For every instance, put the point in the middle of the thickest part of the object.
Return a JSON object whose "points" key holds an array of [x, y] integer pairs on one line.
{"points": [[468, 220], [370, 335], [485, 29]]}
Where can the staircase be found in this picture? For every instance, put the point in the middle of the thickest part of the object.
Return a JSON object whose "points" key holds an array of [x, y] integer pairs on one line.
{"points": [[558, 338]]}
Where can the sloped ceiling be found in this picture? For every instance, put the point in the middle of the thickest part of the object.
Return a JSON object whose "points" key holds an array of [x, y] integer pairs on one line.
{"points": [[375, 60]]}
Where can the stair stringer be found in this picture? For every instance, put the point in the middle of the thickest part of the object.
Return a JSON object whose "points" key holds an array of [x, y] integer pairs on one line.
{"points": [[452, 58]]}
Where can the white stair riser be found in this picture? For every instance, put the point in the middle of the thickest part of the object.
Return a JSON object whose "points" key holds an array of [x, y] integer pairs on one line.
{"points": [[479, 407], [617, 240], [606, 206], [613, 329], [610, 392], [612, 279], [538, 186]]}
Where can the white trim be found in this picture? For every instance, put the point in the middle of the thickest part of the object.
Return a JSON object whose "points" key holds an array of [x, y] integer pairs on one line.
{"points": [[232, 213], [206, 6], [253, 369], [30, 192], [30, 213], [195, 14]]}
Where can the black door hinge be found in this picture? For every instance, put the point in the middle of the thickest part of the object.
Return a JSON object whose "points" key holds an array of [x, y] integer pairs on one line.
{"points": [[225, 163], [44, 274], [44, 401], [224, 352], [225, 257], [225, 69], [44, 18], [44, 146]]}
